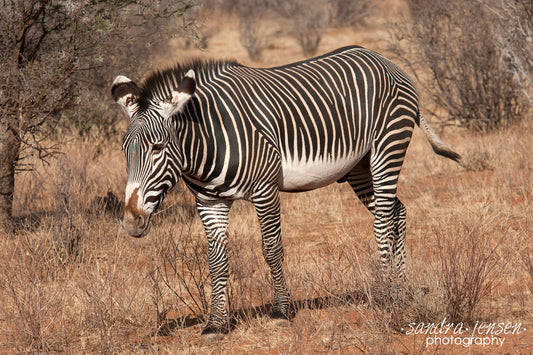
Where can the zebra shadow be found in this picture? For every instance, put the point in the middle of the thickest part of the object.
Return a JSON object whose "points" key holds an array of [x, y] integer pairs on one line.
{"points": [[29, 221], [237, 316]]}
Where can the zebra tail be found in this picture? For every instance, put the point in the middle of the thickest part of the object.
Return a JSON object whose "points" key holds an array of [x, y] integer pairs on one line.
{"points": [[436, 143]]}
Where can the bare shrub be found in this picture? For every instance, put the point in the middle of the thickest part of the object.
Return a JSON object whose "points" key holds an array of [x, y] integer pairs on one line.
{"points": [[479, 160], [249, 286], [349, 12], [253, 29], [527, 259], [68, 237], [184, 271], [388, 299], [100, 300], [394, 303], [390, 302], [468, 265], [515, 40], [108, 298], [308, 20], [525, 251], [31, 301], [456, 41]]}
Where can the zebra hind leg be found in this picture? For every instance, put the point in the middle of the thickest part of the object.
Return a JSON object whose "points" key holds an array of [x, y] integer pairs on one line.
{"points": [[389, 230], [389, 223], [360, 179], [398, 245]]}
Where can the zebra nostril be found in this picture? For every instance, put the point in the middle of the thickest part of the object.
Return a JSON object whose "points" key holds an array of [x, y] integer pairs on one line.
{"points": [[140, 220]]}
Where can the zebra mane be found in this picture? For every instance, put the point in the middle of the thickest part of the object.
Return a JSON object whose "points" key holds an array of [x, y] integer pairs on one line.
{"points": [[159, 84]]}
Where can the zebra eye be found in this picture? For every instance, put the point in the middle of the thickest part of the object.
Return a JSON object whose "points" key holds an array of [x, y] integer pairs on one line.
{"points": [[158, 147]]}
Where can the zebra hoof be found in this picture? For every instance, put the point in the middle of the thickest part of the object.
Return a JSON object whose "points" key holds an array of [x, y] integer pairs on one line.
{"points": [[280, 319], [212, 333], [278, 315], [281, 323]]}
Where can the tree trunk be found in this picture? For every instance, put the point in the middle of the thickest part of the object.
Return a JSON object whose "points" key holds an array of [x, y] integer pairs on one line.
{"points": [[10, 143], [9, 153]]}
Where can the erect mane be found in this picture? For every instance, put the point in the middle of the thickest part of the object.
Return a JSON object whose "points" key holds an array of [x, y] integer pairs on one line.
{"points": [[159, 83]]}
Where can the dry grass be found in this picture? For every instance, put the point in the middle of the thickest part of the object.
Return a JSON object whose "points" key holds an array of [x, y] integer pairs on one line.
{"points": [[74, 282]]}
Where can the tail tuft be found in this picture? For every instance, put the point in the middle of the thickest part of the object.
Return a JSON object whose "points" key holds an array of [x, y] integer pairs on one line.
{"points": [[448, 153]]}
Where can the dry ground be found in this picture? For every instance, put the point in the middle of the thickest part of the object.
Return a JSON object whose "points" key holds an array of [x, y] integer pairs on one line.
{"points": [[73, 281]]}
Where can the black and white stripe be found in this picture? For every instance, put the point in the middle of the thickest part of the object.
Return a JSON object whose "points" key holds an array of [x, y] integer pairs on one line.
{"points": [[234, 132]]}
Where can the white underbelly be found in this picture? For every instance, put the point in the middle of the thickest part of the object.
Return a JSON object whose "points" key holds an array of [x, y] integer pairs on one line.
{"points": [[308, 175]]}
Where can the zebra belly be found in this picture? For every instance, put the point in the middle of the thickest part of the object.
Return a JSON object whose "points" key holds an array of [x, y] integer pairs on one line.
{"points": [[308, 175]]}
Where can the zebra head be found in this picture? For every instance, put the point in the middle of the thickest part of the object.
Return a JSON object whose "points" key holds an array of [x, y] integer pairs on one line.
{"points": [[152, 155]]}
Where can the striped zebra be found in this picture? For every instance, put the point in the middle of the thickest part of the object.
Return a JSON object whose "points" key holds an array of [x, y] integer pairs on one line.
{"points": [[234, 132]]}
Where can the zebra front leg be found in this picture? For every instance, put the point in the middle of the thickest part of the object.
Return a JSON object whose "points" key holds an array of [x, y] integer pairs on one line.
{"points": [[267, 206], [214, 217]]}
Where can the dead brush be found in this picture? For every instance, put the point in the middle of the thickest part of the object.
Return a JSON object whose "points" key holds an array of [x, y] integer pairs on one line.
{"points": [[526, 254], [185, 274], [249, 285], [479, 160], [389, 299], [384, 304], [31, 301], [469, 263], [527, 260], [388, 305], [68, 237], [352, 276]]}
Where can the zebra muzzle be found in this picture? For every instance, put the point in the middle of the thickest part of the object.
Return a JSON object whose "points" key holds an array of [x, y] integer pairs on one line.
{"points": [[135, 225], [134, 220]]}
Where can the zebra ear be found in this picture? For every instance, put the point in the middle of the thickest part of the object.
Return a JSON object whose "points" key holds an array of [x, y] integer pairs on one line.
{"points": [[177, 100], [125, 92]]}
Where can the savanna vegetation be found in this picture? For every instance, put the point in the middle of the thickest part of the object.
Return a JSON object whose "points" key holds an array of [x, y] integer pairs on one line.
{"points": [[73, 281]]}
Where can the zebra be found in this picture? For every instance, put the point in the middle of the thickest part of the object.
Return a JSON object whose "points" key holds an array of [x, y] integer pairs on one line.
{"points": [[234, 132]]}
